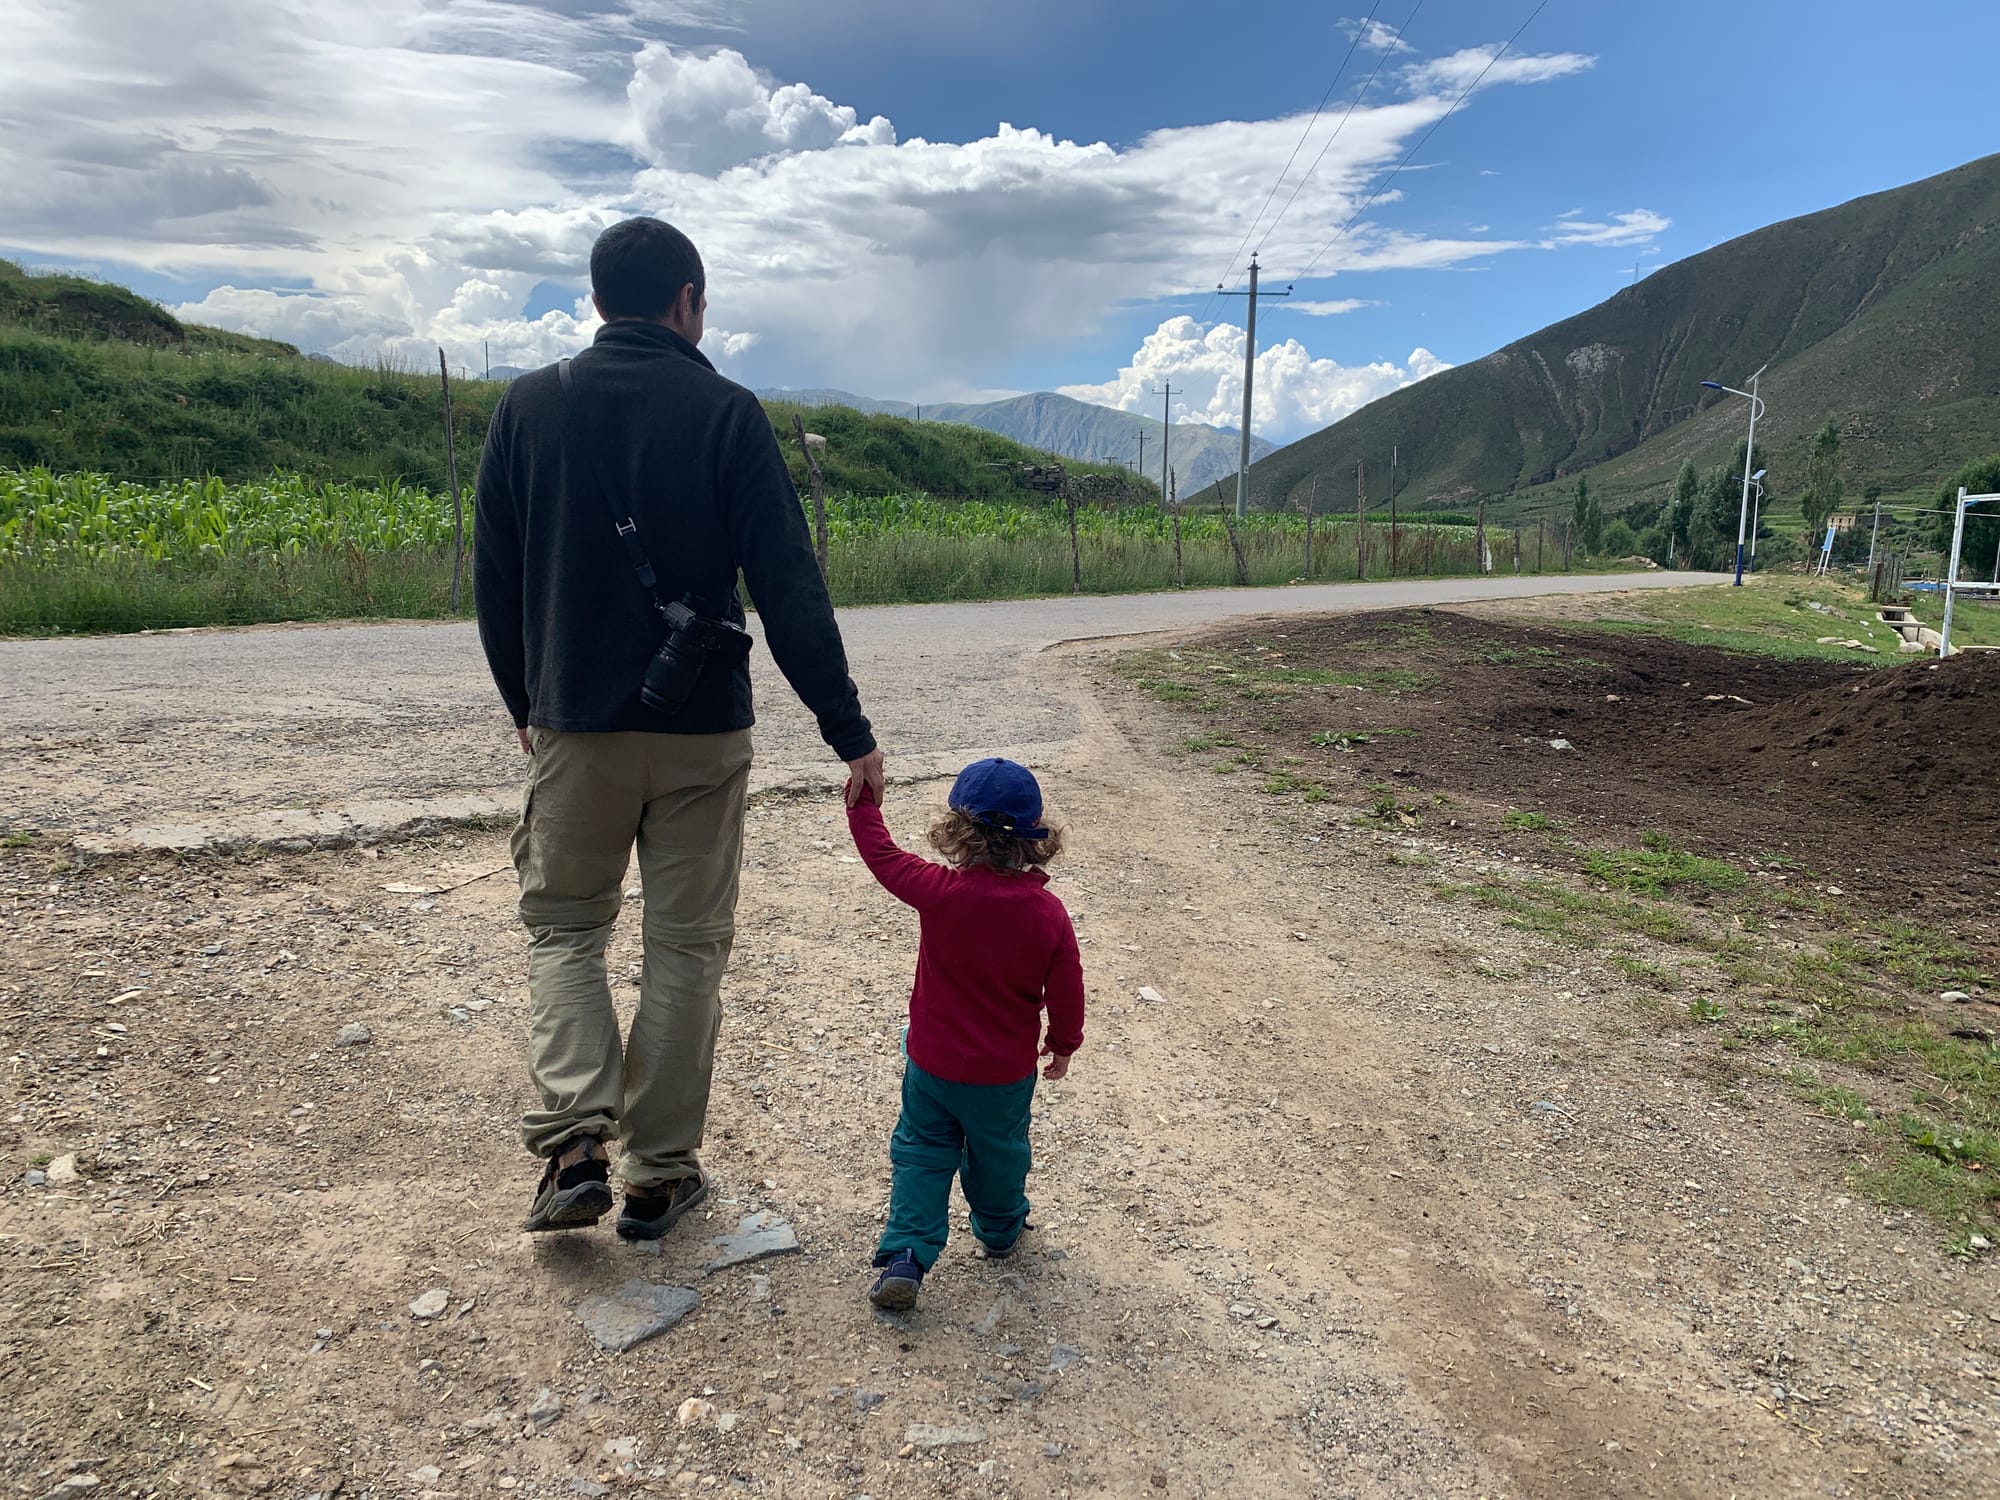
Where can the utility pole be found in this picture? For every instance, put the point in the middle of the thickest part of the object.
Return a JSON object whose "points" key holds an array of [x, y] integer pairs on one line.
{"points": [[1140, 466], [1249, 376], [486, 347], [1167, 392], [1873, 532], [1360, 522]]}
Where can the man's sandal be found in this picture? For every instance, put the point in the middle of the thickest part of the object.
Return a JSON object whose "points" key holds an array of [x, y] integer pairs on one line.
{"points": [[575, 1190], [650, 1212]]}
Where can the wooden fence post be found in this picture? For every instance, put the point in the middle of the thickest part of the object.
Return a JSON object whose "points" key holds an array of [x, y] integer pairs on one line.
{"points": [[1479, 539], [1392, 521], [1360, 522], [1311, 495], [1229, 526], [1075, 547], [819, 495], [457, 503]]}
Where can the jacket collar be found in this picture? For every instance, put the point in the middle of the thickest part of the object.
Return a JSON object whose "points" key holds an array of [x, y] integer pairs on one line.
{"points": [[630, 333]]}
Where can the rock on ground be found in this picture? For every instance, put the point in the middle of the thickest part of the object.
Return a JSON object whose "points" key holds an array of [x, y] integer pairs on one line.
{"points": [[637, 1311], [758, 1236]]}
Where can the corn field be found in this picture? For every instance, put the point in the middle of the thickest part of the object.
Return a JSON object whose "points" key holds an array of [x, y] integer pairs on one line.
{"points": [[89, 516], [83, 552]]}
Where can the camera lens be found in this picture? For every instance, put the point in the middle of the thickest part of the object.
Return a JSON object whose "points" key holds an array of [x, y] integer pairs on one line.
{"points": [[670, 678]]}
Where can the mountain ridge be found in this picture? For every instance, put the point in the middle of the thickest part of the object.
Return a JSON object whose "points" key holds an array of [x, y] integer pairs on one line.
{"points": [[1878, 313], [1080, 430]]}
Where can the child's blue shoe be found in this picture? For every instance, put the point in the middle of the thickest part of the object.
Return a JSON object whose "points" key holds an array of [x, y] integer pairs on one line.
{"points": [[896, 1288]]}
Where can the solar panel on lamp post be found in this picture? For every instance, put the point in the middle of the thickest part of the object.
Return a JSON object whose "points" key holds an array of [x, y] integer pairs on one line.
{"points": [[1749, 452]]}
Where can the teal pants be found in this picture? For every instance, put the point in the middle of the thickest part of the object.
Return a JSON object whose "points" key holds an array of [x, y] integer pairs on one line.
{"points": [[979, 1131]]}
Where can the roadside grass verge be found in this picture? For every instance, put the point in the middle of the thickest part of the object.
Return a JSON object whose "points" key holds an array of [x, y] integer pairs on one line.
{"points": [[1773, 615], [1840, 1011]]}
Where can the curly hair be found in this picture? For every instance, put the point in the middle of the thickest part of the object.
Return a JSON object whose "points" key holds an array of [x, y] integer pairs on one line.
{"points": [[965, 841]]}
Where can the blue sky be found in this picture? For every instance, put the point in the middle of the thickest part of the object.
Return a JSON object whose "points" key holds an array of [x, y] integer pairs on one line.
{"points": [[380, 176]]}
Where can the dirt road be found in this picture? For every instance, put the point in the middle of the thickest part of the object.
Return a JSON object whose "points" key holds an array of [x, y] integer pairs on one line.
{"points": [[215, 730], [1380, 1199]]}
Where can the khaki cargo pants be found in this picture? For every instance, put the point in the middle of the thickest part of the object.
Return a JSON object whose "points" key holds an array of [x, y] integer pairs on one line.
{"points": [[591, 797]]}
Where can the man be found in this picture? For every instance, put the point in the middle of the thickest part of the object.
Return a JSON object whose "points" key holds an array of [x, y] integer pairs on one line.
{"points": [[614, 489]]}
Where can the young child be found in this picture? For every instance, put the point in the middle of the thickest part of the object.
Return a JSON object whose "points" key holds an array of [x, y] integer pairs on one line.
{"points": [[997, 947]]}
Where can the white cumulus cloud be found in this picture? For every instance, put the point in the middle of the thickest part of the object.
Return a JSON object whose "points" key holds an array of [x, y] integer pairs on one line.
{"points": [[1294, 393], [702, 114], [371, 178]]}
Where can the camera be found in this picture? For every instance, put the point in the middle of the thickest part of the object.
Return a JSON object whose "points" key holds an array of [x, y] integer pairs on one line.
{"points": [[693, 641]]}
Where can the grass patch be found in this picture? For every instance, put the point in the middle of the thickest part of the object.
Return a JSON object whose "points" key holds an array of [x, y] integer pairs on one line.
{"points": [[1389, 809], [1771, 616], [1530, 822], [1659, 868], [1646, 972], [1949, 1175], [1835, 1099]]}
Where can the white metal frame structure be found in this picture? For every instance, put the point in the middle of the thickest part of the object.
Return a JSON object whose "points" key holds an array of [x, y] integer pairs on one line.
{"points": [[1952, 587]]}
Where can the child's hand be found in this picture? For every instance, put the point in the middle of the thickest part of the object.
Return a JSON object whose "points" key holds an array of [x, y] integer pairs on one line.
{"points": [[1058, 1066]]}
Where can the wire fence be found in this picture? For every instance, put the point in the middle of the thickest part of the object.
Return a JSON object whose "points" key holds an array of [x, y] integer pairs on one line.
{"points": [[83, 553]]}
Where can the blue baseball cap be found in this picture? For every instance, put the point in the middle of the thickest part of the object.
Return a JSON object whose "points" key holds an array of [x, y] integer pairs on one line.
{"points": [[1003, 795]]}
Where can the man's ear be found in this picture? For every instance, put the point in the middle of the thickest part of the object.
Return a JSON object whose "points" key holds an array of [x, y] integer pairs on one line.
{"points": [[688, 305], [599, 306]]}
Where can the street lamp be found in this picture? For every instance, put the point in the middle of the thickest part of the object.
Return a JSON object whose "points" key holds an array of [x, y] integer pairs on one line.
{"points": [[1756, 512], [1756, 411]]}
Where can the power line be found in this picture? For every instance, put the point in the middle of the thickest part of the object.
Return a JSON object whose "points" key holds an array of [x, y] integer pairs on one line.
{"points": [[1353, 44], [1420, 144], [1296, 190]]}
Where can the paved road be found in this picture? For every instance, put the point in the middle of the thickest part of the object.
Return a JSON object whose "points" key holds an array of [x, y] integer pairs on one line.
{"points": [[211, 728]]}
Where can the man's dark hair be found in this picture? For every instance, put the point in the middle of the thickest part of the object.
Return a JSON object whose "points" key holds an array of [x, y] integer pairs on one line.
{"points": [[638, 267]]}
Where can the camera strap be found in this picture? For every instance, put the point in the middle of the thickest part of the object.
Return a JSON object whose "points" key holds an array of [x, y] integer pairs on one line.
{"points": [[627, 528]]}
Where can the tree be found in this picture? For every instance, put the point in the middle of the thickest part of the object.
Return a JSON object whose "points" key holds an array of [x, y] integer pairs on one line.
{"points": [[1680, 513], [1982, 527], [1619, 540], [1822, 494], [1717, 509], [1586, 518]]}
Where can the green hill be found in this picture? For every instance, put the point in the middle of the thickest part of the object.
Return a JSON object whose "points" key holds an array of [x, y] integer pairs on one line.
{"points": [[94, 377], [1882, 314]]}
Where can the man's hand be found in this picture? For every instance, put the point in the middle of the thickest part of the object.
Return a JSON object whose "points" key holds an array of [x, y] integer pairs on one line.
{"points": [[1058, 1066], [527, 745], [865, 773]]}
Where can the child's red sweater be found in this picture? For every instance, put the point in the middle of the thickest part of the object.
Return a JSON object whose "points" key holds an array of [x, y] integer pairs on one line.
{"points": [[997, 946]]}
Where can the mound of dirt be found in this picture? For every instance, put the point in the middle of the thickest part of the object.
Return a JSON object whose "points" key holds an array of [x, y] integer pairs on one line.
{"points": [[1882, 773], [1898, 738]]}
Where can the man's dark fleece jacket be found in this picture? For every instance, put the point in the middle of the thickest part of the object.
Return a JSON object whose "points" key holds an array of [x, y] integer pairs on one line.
{"points": [[568, 629]]}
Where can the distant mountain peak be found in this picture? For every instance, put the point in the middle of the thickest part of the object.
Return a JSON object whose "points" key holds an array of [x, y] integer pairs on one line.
{"points": [[1199, 453]]}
